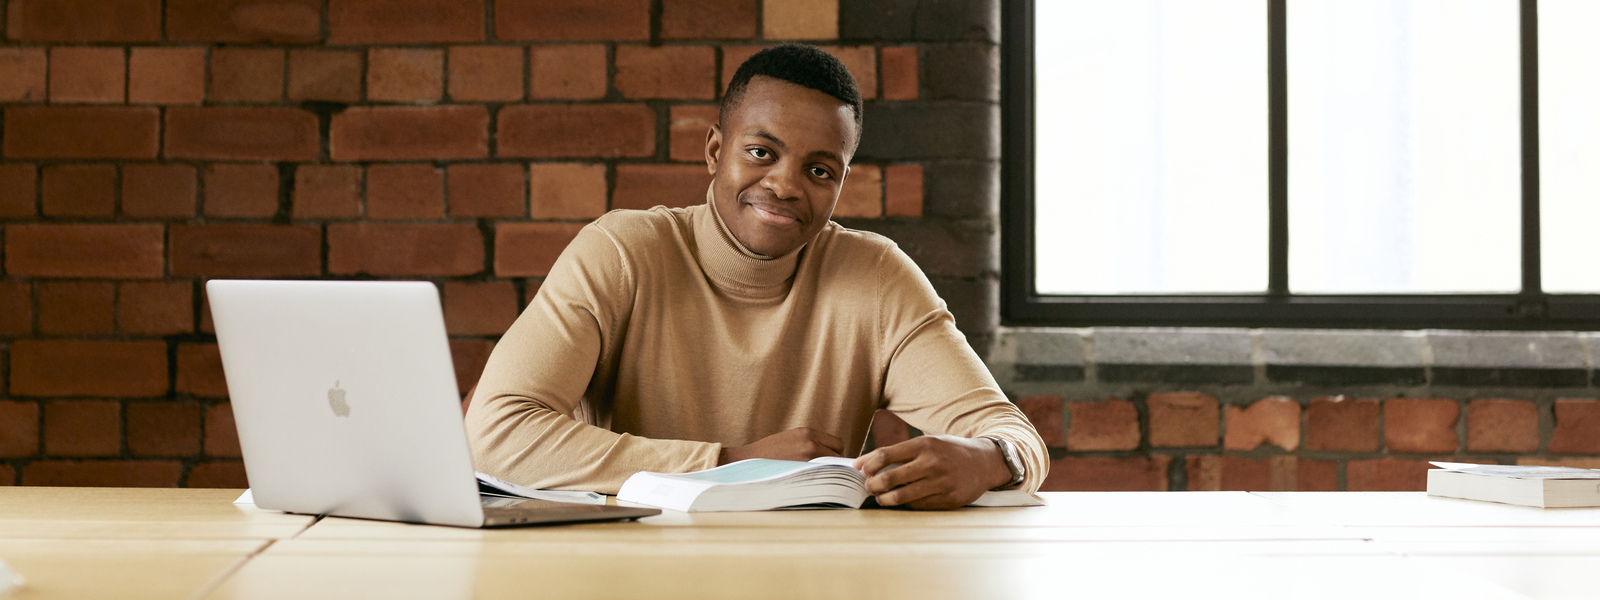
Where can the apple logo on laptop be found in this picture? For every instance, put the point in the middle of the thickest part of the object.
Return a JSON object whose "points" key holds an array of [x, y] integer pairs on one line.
{"points": [[336, 400]]}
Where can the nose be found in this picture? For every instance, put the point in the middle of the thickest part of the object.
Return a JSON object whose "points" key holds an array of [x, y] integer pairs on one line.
{"points": [[783, 182]]}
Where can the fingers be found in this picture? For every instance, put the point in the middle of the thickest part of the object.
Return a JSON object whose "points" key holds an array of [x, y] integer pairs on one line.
{"points": [[899, 453], [913, 494]]}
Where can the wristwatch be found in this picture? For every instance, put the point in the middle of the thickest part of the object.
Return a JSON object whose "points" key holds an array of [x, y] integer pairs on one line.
{"points": [[1008, 453]]}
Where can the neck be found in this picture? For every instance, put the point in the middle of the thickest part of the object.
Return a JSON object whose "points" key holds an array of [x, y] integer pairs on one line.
{"points": [[732, 266]]}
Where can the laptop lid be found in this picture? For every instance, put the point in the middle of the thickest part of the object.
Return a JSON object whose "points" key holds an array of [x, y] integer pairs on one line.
{"points": [[345, 398]]}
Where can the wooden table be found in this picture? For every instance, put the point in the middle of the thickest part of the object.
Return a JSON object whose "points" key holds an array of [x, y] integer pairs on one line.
{"points": [[194, 543]]}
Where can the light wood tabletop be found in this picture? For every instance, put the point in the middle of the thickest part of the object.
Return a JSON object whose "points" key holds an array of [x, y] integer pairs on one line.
{"points": [[74, 543]]}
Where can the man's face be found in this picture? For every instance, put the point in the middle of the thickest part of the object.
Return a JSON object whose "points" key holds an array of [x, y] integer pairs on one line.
{"points": [[777, 163]]}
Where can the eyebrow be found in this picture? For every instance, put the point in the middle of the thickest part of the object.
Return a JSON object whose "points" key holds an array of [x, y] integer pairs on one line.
{"points": [[764, 134]]}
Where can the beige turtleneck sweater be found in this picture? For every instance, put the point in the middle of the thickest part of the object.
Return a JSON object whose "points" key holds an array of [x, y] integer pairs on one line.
{"points": [[657, 338]]}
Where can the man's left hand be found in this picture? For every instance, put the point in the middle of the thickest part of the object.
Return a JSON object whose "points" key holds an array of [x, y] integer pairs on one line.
{"points": [[936, 471]]}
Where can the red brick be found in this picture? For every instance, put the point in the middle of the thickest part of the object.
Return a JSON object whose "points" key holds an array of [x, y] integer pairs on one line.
{"points": [[676, 72], [164, 428], [689, 127], [888, 429], [1577, 427], [1502, 426], [862, 193], [1183, 419], [19, 186], [81, 132], [221, 474], [327, 75], [1420, 425], [103, 473], [158, 191], [732, 58], [1273, 420], [1233, 473], [241, 190], [167, 75], [122, 251], [1387, 475], [404, 250], [531, 290], [74, 368], [1339, 423], [84, 20], [87, 75], [410, 133], [568, 72], [327, 192], [1106, 425], [246, 250], [405, 75], [645, 186], [493, 190], [405, 21], [79, 190], [82, 428], [76, 307], [414, 191], [244, 20], [22, 74], [19, 428], [222, 437], [1094, 473], [16, 308], [579, 130], [620, 20], [267, 134], [1044, 412], [1317, 476], [469, 357], [902, 196], [247, 75], [567, 191], [900, 78], [8, 473], [862, 62], [800, 20], [200, 371], [486, 308], [529, 249], [486, 74], [708, 19], [155, 308]]}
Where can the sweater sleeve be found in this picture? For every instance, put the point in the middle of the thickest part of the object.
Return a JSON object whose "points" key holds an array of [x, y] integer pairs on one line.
{"points": [[934, 381], [528, 422]]}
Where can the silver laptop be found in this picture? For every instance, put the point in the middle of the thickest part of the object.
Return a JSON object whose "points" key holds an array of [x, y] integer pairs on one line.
{"points": [[346, 403]]}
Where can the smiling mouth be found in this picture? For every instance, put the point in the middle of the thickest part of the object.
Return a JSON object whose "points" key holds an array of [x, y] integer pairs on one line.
{"points": [[772, 217]]}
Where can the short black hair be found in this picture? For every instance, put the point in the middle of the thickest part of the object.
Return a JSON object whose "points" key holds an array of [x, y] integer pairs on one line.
{"points": [[800, 64]]}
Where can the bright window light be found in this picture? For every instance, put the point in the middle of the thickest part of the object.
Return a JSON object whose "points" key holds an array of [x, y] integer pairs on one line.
{"points": [[1569, 145]]}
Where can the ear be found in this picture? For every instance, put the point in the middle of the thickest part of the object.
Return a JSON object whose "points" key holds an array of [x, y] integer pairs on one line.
{"points": [[713, 147]]}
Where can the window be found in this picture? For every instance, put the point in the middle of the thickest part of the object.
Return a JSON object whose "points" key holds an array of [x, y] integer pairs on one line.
{"points": [[1308, 163]]}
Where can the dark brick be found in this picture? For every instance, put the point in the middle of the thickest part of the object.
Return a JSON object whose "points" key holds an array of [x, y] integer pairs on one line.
{"points": [[960, 72], [246, 250], [404, 21], [962, 189], [944, 248], [911, 131], [84, 20], [927, 20], [975, 303], [244, 20]]}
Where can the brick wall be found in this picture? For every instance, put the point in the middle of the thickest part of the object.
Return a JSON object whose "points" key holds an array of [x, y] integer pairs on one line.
{"points": [[149, 145]]}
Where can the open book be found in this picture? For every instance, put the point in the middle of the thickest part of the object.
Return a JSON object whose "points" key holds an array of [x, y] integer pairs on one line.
{"points": [[1543, 487], [765, 484]]}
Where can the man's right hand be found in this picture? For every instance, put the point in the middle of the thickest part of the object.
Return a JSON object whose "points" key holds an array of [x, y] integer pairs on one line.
{"points": [[800, 443]]}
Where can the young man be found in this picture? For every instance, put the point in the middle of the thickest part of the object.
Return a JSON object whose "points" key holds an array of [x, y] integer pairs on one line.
{"points": [[675, 340]]}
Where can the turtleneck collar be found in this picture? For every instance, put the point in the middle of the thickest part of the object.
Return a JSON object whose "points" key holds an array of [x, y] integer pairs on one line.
{"points": [[733, 267]]}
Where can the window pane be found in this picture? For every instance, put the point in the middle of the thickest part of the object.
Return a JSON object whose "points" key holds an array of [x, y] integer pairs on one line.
{"points": [[1150, 146], [1569, 144], [1404, 156]]}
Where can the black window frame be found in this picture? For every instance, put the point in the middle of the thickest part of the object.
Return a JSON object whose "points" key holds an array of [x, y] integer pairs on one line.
{"points": [[1529, 309]]}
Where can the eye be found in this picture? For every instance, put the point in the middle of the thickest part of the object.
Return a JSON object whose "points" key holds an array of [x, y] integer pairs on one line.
{"points": [[760, 153], [820, 173]]}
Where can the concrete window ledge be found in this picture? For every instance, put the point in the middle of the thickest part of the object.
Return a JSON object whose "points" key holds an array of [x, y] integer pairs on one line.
{"points": [[1024, 356]]}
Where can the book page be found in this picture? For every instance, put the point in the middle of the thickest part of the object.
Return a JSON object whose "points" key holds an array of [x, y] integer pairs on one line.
{"points": [[746, 471], [1519, 471]]}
